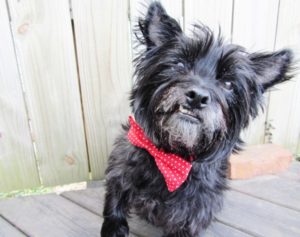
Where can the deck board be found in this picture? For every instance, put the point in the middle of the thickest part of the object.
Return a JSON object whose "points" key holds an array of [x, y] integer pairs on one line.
{"points": [[267, 188], [93, 198], [293, 173], [50, 215], [218, 229], [7, 230], [259, 217], [260, 207]]}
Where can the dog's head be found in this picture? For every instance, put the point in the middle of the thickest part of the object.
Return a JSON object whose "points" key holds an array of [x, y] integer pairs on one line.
{"points": [[197, 93]]}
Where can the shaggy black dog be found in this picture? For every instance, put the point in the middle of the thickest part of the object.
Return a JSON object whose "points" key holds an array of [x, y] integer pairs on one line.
{"points": [[192, 97]]}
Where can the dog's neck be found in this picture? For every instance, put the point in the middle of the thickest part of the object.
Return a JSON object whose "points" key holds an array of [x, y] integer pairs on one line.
{"points": [[219, 149], [222, 149]]}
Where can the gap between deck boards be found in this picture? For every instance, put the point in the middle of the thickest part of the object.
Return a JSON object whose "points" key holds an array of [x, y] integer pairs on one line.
{"points": [[89, 198], [256, 207]]}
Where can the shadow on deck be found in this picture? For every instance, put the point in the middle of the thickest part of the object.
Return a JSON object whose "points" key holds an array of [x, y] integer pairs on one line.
{"points": [[264, 206]]}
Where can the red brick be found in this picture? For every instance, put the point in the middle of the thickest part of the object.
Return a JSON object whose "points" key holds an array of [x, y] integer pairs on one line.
{"points": [[259, 160]]}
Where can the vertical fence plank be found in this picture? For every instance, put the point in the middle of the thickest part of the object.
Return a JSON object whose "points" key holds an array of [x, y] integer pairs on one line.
{"points": [[254, 27], [43, 37], [18, 168], [297, 153], [213, 13], [284, 107], [174, 8], [103, 47]]}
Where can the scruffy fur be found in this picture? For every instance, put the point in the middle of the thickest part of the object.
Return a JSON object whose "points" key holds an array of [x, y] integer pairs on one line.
{"points": [[192, 96]]}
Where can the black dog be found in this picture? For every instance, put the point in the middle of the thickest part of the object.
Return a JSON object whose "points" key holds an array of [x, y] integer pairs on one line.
{"points": [[192, 97]]}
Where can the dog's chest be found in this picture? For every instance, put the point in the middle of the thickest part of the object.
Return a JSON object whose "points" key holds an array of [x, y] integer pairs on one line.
{"points": [[177, 208]]}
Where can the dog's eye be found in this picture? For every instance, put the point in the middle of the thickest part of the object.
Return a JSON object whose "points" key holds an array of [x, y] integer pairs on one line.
{"points": [[228, 85], [180, 65], [223, 72]]}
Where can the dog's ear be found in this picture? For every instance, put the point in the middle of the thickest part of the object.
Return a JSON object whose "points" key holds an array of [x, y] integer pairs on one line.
{"points": [[272, 68], [158, 27]]}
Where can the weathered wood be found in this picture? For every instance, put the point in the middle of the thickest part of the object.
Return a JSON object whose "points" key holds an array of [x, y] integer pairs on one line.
{"points": [[293, 172], [18, 167], [43, 35], [103, 48], [80, 212], [7, 230], [284, 109], [271, 188], [93, 199], [254, 27], [174, 8], [215, 14], [259, 217], [254, 24], [50, 215], [218, 229]]}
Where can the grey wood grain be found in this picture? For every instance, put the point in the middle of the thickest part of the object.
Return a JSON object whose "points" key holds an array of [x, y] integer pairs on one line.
{"points": [[93, 199], [54, 103], [293, 172], [7, 230], [259, 217], [218, 229], [50, 215], [271, 188]]}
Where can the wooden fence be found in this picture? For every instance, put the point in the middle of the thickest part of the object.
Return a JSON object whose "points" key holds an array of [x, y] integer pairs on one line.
{"points": [[65, 75]]}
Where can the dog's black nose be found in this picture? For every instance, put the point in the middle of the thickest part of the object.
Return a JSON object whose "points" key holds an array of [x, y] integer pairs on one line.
{"points": [[198, 98]]}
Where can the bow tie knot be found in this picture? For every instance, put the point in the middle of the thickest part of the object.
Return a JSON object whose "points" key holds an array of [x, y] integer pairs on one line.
{"points": [[174, 169]]}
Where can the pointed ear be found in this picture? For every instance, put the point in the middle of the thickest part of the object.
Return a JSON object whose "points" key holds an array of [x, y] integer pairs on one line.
{"points": [[272, 68], [158, 27]]}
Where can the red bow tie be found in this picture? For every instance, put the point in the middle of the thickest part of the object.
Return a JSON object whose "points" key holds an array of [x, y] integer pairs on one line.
{"points": [[174, 169]]}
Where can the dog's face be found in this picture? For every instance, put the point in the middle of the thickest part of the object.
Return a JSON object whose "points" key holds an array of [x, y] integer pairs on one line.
{"points": [[199, 92]]}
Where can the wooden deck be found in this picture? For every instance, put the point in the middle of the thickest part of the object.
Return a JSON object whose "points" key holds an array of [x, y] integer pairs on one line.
{"points": [[265, 206]]}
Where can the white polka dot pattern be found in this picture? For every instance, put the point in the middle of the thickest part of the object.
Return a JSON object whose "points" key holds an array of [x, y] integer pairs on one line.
{"points": [[174, 169]]}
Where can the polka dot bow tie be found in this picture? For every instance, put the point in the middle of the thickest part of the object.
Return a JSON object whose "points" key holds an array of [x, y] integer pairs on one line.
{"points": [[174, 169]]}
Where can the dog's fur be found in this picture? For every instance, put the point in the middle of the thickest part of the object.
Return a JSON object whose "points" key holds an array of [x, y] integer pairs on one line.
{"points": [[192, 97]]}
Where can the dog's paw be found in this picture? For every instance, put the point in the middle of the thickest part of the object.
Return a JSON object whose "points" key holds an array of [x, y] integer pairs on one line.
{"points": [[114, 228]]}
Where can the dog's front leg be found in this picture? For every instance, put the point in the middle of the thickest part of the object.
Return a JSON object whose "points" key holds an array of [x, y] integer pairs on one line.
{"points": [[114, 213]]}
